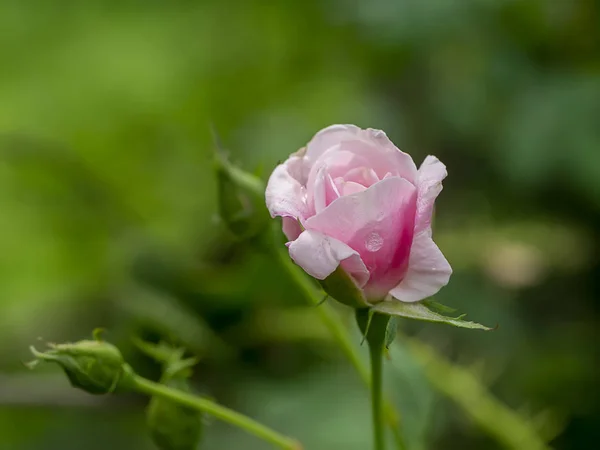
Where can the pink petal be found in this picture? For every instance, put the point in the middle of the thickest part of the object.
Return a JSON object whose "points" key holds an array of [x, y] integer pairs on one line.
{"points": [[369, 143], [381, 158], [373, 142], [285, 196], [362, 175], [329, 137], [334, 162], [291, 228], [349, 188], [324, 191], [378, 223], [429, 184], [428, 271], [401, 162], [319, 255]]}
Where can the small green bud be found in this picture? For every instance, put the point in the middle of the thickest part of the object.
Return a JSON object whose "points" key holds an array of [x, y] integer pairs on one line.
{"points": [[96, 367], [341, 287], [172, 426], [241, 199]]}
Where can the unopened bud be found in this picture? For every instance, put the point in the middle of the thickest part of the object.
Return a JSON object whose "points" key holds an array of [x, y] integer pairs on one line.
{"points": [[172, 426], [94, 366], [241, 199]]}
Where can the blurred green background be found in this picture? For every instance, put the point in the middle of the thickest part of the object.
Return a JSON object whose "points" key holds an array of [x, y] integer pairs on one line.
{"points": [[109, 217]]}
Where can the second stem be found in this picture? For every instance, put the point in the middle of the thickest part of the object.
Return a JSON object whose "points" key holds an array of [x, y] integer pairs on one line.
{"points": [[151, 388]]}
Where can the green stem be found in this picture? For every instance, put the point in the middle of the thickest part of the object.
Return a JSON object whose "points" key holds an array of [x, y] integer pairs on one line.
{"points": [[374, 327], [151, 388], [376, 354], [336, 327]]}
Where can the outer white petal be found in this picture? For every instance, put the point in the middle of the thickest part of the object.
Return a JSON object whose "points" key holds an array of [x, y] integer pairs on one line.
{"points": [[285, 196], [319, 255], [429, 185], [428, 270]]}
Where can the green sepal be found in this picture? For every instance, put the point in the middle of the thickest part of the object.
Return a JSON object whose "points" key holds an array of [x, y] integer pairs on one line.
{"points": [[340, 286], [391, 331], [373, 326], [364, 317], [420, 311]]}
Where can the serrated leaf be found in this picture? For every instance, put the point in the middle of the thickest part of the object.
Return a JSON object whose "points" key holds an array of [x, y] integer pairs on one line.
{"points": [[419, 311]]}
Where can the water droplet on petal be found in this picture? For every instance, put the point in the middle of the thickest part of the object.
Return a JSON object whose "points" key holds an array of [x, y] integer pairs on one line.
{"points": [[373, 242]]}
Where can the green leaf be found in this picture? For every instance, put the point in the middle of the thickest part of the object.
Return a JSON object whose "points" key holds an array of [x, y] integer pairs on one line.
{"points": [[419, 311]]}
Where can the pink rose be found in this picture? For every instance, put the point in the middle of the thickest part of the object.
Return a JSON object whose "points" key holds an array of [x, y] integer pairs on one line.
{"points": [[352, 198]]}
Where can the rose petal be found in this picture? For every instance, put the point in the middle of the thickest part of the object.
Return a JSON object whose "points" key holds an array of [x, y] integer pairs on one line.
{"points": [[349, 188], [291, 228], [382, 159], [402, 162], [319, 255], [370, 143], [284, 195], [429, 185], [378, 223], [324, 191], [428, 271], [362, 175], [329, 137], [334, 162]]}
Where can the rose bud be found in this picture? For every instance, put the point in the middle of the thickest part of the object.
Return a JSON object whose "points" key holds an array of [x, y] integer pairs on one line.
{"points": [[241, 199], [96, 367], [357, 213], [172, 426]]}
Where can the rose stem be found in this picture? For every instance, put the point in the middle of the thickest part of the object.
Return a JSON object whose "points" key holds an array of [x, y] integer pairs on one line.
{"points": [[332, 321]]}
